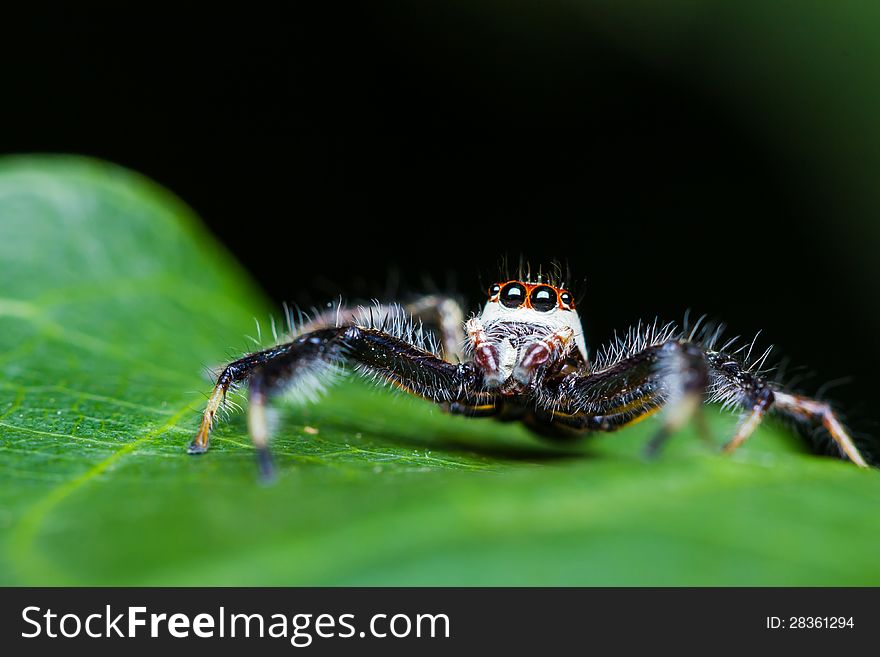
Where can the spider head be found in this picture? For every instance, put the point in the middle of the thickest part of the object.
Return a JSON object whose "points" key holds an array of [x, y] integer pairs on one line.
{"points": [[520, 311]]}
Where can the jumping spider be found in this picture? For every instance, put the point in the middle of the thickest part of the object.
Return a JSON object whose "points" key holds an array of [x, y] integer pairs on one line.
{"points": [[523, 358]]}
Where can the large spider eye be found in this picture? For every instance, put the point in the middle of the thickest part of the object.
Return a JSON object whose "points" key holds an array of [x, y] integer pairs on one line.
{"points": [[543, 298], [513, 295]]}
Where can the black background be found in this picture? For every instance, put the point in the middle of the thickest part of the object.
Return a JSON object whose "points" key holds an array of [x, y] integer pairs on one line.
{"points": [[382, 148]]}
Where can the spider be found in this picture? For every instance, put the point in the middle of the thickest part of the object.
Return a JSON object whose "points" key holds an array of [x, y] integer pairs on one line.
{"points": [[523, 357]]}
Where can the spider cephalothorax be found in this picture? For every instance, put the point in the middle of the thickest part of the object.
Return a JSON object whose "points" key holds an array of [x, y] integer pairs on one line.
{"points": [[523, 327], [523, 357]]}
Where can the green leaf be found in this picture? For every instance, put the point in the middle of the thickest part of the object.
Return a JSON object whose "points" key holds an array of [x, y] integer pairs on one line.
{"points": [[114, 299]]}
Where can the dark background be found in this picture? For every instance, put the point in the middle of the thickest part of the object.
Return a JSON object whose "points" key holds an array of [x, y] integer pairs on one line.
{"points": [[717, 157]]}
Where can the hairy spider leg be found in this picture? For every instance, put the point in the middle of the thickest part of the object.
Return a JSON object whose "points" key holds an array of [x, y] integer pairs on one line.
{"points": [[258, 426], [445, 313], [685, 375], [232, 374], [761, 404], [818, 412], [435, 310], [752, 392], [671, 375], [634, 388], [306, 359]]}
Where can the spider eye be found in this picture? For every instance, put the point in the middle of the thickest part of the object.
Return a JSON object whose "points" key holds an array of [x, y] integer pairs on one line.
{"points": [[513, 295], [495, 289], [543, 298], [565, 298]]}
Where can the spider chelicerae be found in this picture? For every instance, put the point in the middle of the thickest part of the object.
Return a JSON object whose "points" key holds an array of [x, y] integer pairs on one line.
{"points": [[523, 357]]}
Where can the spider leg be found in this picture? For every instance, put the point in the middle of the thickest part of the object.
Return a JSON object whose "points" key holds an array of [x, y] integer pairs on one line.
{"points": [[436, 310], [305, 362], [672, 376], [482, 410], [751, 420], [685, 375], [635, 386], [817, 411], [232, 374], [733, 384], [446, 314], [258, 426]]}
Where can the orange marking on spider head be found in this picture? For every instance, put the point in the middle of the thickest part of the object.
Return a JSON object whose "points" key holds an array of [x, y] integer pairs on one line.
{"points": [[536, 296]]}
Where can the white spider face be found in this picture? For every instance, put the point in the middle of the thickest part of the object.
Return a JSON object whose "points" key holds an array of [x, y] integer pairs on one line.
{"points": [[544, 307], [519, 312]]}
